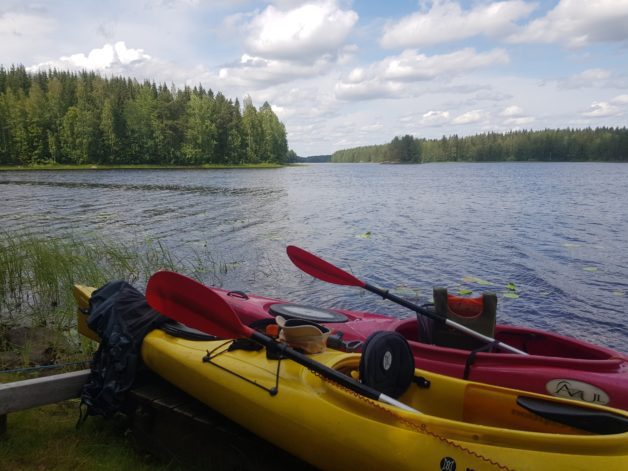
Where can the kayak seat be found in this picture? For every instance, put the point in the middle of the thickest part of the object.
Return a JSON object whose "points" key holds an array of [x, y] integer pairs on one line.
{"points": [[477, 313]]}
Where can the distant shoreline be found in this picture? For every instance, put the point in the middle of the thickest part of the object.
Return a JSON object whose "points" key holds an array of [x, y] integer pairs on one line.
{"points": [[137, 167]]}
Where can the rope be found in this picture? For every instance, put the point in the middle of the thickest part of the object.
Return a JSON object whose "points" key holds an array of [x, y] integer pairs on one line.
{"points": [[418, 428]]}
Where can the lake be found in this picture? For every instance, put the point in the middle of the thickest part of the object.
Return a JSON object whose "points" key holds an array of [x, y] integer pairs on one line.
{"points": [[557, 231]]}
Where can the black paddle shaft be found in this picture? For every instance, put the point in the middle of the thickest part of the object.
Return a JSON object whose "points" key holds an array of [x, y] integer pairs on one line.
{"points": [[384, 293], [304, 360]]}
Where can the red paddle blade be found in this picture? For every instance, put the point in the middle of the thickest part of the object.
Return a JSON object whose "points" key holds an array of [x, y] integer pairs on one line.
{"points": [[319, 268], [187, 301]]}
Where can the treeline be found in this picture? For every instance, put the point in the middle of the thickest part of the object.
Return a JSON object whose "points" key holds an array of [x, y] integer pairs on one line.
{"points": [[82, 118], [564, 145], [314, 159]]}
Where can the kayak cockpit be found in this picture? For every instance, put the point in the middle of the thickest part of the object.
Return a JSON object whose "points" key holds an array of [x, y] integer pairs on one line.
{"points": [[446, 401], [532, 341]]}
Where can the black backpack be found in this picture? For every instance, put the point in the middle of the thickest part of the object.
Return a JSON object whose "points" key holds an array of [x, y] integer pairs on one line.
{"points": [[121, 317]]}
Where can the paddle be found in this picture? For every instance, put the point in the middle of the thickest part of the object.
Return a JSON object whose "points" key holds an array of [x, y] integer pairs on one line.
{"points": [[319, 268], [196, 305]]}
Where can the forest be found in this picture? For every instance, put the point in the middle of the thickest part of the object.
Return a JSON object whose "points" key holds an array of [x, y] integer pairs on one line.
{"points": [[69, 118], [60, 117], [564, 145]]}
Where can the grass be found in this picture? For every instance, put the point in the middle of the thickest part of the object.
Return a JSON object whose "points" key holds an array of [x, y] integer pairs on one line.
{"points": [[36, 279], [46, 438], [37, 274]]}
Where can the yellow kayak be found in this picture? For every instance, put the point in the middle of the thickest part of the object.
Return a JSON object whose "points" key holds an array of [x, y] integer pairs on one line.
{"points": [[462, 425]]}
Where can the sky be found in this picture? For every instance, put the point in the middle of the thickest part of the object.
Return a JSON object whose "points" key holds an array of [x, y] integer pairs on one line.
{"points": [[342, 73]]}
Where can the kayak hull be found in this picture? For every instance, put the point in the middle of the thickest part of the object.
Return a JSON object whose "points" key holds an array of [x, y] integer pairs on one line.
{"points": [[566, 368], [472, 425], [463, 424], [556, 365]]}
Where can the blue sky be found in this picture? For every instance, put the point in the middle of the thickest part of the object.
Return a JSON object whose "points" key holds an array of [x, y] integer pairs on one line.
{"points": [[342, 73]]}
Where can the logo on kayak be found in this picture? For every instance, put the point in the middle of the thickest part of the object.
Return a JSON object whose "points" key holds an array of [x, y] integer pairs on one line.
{"points": [[447, 464], [572, 389], [387, 360]]}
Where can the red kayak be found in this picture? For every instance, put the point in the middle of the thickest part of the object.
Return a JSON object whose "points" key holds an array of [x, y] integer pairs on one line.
{"points": [[553, 364]]}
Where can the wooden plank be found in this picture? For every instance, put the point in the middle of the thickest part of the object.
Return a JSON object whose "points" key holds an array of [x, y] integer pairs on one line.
{"points": [[29, 393]]}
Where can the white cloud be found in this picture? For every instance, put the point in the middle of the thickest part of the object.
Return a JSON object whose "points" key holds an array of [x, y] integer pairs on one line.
{"points": [[260, 72], [470, 117], [367, 90], [512, 111], [588, 78], [303, 41], [391, 76], [520, 121], [577, 23], [105, 58], [446, 21], [515, 116], [435, 118], [20, 25], [368, 128], [601, 109], [410, 65], [621, 100], [594, 78], [302, 33]]}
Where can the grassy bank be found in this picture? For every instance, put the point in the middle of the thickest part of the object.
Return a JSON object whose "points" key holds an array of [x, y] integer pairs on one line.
{"points": [[38, 328], [132, 167], [37, 273], [46, 438]]}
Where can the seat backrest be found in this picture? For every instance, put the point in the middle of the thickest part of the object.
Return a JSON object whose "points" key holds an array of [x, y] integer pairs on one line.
{"points": [[477, 313]]}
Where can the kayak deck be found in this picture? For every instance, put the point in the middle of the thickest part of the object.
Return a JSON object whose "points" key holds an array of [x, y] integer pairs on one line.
{"points": [[555, 365], [478, 418]]}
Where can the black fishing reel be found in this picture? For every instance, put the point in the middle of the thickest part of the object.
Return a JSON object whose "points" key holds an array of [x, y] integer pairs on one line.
{"points": [[387, 363]]}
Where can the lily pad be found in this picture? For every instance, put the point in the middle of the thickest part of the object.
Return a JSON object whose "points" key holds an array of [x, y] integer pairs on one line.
{"points": [[590, 269], [464, 292], [511, 295], [511, 287], [366, 235], [475, 279], [618, 293], [570, 245]]}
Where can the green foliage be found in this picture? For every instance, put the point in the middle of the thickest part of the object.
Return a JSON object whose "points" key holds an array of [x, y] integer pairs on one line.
{"points": [[405, 150], [367, 154], [565, 145], [67, 118]]}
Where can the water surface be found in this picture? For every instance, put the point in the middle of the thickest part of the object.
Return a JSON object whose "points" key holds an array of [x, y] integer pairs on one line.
{"points": [[558, 231]]}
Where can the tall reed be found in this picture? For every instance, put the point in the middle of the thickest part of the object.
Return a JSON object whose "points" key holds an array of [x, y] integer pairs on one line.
{"points": [[37, 273]]}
